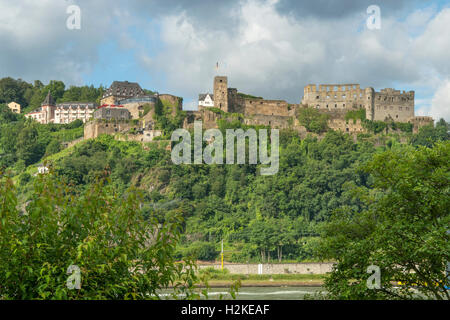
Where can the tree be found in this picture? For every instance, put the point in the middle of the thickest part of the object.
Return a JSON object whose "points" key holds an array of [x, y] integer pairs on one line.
{"points": [[28, 148], [56, 88], [120, 255], [313, 120], [403, 231], [429, 134]]}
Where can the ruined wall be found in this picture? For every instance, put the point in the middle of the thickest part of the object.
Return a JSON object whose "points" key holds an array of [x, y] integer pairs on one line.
{"points": [[420, 121], [146, 136], [349, 126], [235, 101], [93, 129], [266, 107], [137, 107], [338, 96], [191, 117], [393, 104], [173, 100], [279, 122], [108, 100]]}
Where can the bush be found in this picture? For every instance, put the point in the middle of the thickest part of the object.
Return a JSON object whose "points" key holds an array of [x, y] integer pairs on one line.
{"points": [[119, 254], [313, 120], [204, 251]]}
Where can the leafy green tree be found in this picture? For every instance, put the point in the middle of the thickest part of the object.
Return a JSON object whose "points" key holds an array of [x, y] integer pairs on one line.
{"points": [[56, 88], [28, 148], [429, 134], [313, 120], [120, 254], [403, 231]]}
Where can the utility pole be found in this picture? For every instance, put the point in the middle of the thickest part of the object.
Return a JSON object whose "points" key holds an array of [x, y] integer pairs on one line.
{"points": [[447, 285], [222, 254]]}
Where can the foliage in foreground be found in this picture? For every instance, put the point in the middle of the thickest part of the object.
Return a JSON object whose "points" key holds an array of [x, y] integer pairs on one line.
{"points": [[121, 255], [403, 231]]}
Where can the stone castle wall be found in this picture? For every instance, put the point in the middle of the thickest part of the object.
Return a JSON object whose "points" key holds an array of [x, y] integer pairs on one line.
{"points": [[388, 104], [136, 108], [333, 96], [420, 121], [393, 104], [173, 100], [278, 122], [266, 107], [333, 99], [94, 128]]}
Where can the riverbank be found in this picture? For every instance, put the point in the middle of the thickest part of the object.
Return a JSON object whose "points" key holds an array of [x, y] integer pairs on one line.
{"points": [[218, 279], [265, 283]]}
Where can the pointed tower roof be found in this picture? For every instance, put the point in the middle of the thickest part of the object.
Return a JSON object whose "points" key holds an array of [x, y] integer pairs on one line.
{"points": [[49, 101]]}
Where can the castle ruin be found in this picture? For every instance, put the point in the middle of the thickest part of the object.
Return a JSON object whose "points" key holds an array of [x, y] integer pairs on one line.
{"points": [[388, 104], [333, 99]]}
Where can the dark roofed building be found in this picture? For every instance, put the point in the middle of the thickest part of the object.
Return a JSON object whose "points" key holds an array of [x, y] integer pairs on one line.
{"points": [[120, 90], [48, 101]]}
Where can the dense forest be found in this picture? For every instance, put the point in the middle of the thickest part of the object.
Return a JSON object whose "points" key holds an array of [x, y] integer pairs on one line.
{"points": [[259, 218]]}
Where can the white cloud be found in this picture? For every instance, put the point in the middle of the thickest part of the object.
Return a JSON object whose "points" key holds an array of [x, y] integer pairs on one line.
{"points": [[264, 50], [440, 104], [36, 44], [433, 46]]}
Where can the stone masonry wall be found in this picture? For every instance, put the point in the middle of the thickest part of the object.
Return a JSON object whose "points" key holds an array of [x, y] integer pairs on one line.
{"points": [[282, 268], [393, 104], [93, 129]]}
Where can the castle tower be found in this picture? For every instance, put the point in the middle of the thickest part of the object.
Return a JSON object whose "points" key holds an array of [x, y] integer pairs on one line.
{"points": [[370, 103], [221, 93], [48, 108]]}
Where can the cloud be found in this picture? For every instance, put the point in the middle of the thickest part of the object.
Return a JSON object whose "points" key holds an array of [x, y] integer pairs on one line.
{"points": [[36, 44], [269, 48], [440, 104], [338, 9], [275, 55], [433, 45]]}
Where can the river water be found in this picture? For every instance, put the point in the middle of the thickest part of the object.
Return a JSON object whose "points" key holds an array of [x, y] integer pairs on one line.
{"points": [[267, 293], [262, 293]]}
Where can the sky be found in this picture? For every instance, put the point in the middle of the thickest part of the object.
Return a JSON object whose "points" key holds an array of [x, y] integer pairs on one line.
{"points": [[268, 48]]}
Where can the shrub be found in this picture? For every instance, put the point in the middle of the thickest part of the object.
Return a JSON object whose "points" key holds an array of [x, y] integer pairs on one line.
{"points": [[120, 255], [313, 120]]}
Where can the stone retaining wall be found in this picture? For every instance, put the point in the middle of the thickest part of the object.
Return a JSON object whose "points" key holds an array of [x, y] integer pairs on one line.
{"points": [[281, 268]]}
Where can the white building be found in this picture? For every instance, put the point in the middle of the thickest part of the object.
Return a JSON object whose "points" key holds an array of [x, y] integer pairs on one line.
{"points": [[61, 113], [71, 111], [205, 100]]}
